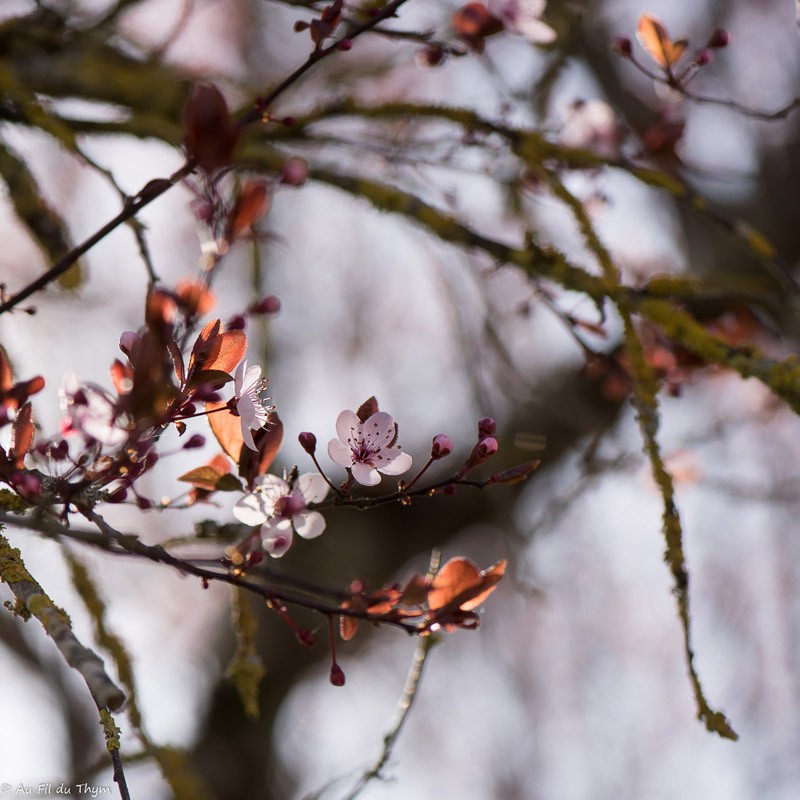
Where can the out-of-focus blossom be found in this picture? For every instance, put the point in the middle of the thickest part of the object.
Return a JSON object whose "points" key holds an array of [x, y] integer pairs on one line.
{"points": [[592, 125], [523, 18], [368, 447], [90, 411], [282, 510], [252, 409]]}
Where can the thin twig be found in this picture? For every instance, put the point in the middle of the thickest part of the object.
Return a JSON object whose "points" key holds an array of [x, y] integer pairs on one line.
{"points": [[404, 705]]}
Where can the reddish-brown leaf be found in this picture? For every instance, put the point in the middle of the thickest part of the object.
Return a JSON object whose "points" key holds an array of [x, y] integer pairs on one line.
{"points": [[21, 435], [459, 584], [177, 360], [210, 132], [121, 376], [348, 627], [227, 427], [228, 350], [253, 463], [211, 478], [367, 409], [6, 374], [220, 465], [251, 205], [195, 296], [653, 36], [415, 592]]}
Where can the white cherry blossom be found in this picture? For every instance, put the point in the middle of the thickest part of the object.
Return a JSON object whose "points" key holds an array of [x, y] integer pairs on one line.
{"points": [[253, 410], [282, 510], [369, 447]]}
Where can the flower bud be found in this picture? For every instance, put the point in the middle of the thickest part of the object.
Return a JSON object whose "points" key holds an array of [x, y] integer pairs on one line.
{"points": [[267, 305], [344, 45], [294, 172], [306, 638], [308, 442], [118, 495], [195, 441], [622, 46], [143, 503], [486, 427], [430, 56], [128, 340], [703, 57], [337, 675], [487, 447], [720, 38], [27, 484], [441, 446], [236, 323]]}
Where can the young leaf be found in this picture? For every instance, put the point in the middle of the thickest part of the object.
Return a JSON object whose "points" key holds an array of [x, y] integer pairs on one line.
{"points": [[227, 427], [268, 441], [21, 435], [211, 479], [460, 585], [653, 36]]}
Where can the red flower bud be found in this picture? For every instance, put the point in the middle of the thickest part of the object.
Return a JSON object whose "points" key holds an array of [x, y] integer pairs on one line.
{"points": [[236, 323], [118, 495], [486, 427], [337, 675], [195, 441], [308, 442], [720, 38], [703, 57], [306, 638], [622, 46], [344, 44], [267, 305]]}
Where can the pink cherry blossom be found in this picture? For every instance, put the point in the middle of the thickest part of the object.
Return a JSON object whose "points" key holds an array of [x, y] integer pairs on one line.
{"points": [[253, 410], [92, 412], [282, 510], [367, 448]]}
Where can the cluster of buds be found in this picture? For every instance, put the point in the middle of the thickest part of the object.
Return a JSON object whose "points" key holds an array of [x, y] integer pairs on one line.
{"points": [[670, 55]]}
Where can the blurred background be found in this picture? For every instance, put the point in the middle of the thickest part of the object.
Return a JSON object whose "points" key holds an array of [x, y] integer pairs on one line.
{"points": [[575, 687]]}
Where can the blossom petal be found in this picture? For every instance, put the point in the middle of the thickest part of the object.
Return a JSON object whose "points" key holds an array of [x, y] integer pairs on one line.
{"points": [[398, 465], [534, 30], [276, 543], [309, 524], [252, 509], [348, 427], [313, 487], [247, 436], [340, 453], [379, 430], [365, 474], [272, 486]]}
